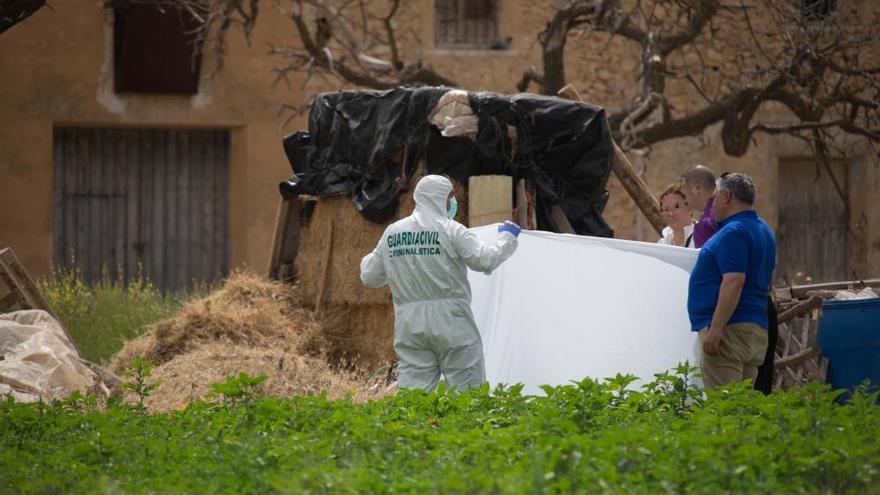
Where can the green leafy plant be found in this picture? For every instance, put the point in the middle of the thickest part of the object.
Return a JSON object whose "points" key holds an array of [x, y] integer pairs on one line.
{"points": [[238, 390], [676, 391], [77, 402], [137, 374]]}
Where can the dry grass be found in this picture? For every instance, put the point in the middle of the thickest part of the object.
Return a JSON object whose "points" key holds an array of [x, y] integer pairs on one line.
{"points": [[251, 325], [188, 376], [248, 310]]}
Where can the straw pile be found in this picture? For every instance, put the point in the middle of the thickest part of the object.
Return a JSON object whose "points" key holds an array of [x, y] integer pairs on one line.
{"points": [[357, 323], [249, 325]]}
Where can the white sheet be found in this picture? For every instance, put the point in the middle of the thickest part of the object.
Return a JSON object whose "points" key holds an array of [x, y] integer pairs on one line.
{"points": [[565, 307]]}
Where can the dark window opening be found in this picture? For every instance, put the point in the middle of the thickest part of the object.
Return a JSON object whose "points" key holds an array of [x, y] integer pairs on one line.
{"points": [[465, 23], [155, 49], [817, 10]]}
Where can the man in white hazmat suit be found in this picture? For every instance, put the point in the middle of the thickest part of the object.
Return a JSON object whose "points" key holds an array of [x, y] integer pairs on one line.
{"points": [[424, 258]]}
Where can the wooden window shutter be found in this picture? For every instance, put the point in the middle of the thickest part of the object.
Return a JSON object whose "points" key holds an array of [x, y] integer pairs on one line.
{"points": [[155, 50]]}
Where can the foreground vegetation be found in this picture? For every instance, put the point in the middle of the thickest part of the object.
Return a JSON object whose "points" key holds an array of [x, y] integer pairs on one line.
{"points": [[588, 437]]}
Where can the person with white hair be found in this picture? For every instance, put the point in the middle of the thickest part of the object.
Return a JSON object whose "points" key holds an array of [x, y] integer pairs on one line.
{"points": [[424, 259]]}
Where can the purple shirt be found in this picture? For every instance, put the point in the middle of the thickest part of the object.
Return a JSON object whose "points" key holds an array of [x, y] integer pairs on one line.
{"points": [[705, 226]]}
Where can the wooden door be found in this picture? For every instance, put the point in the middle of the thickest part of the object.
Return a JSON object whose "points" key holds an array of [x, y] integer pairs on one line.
{"points": [[812, 228], [150, 200]]}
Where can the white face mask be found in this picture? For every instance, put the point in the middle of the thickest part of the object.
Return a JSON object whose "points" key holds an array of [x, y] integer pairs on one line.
{"points": [[453, 208]]}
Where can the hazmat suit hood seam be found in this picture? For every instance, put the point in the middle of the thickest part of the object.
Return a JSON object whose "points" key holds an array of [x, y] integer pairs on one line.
{"points": [[430, 196]]}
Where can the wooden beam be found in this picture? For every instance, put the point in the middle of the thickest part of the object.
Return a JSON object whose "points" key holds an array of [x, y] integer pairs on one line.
{"points": [[782, 294], [285, 241], [796, 359], [801, 309], [637, 189], [561, 221], [522, 204], [17, 278], [8, 301], [569, 93], [800, 291], [278, 238], [533, 214], [624, 171]]}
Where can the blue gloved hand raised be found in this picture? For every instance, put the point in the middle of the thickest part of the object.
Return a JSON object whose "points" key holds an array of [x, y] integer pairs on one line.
{"points": [[511, 227]]}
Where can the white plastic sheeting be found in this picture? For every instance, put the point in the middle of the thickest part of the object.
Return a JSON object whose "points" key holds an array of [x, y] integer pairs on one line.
{"points": [[565, 307], [38, 360], [453, 115]]}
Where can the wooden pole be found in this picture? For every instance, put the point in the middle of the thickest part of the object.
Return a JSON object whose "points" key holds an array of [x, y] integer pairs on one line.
{"points": [[533, 214], [285, 242], [796, 359], [626, 173], [278, 238], [801, 309], [522, 204], [561, 221], [799, 291], [637, 189]]}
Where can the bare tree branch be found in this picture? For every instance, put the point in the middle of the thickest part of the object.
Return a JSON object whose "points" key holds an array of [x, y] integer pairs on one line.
{"points": [[788, 129], [825, 73], [529, 75], [352, 64], [392, 42], [594, 13], [702, 14]]}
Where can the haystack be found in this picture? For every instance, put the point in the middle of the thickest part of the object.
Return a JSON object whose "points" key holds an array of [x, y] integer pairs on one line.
{"points": [[249, 325], [247, 311], [357, 322]]}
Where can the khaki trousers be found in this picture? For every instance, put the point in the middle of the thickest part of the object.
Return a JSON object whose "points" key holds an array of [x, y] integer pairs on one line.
{"points": [[742, 350]]}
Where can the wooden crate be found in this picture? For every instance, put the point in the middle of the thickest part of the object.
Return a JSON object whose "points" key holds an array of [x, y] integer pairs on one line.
{"points": [[18, 291], [797, 355], [17, 288]]}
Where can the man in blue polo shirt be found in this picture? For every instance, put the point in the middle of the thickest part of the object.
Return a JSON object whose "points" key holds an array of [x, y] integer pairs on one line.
{"points": [[727, 294]]}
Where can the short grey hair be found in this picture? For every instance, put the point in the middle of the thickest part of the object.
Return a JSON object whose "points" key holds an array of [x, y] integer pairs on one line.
{"points": [[699, 175], [740, 186]]}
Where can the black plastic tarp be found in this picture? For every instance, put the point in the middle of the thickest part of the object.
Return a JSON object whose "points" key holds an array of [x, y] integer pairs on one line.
{"points": [[361, 143]]}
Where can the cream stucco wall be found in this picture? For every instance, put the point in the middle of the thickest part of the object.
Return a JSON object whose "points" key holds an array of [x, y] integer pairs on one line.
{"points": [[57, 70]]}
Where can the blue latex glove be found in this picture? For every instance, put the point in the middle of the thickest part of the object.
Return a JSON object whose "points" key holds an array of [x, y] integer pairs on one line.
{"points": [[511, 227]]}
